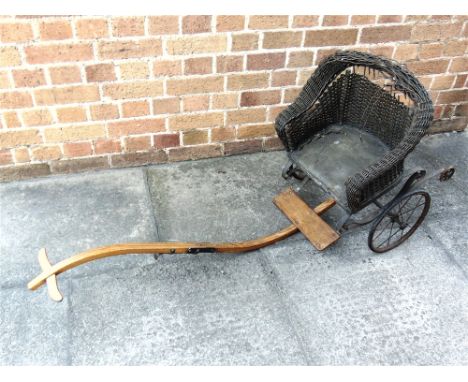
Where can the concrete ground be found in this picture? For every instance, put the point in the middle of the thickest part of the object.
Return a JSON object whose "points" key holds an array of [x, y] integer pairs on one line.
{"points": [[285, 304]]}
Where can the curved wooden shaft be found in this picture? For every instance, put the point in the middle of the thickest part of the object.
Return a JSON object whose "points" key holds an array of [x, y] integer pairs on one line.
{"points": [[50, 271]]}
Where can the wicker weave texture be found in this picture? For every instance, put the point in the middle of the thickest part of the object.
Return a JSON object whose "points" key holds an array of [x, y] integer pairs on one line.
{"points": [[334, 94]]}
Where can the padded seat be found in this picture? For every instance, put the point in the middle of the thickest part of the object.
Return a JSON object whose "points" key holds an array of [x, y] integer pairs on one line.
{"points": [[337, 153]]}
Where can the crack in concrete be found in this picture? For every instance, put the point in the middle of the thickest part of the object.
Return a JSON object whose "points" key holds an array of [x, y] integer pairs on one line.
{"points": [[446, 251], [150, 202], [291, 316]]}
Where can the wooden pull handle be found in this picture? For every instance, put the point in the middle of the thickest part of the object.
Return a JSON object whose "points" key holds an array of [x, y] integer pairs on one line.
{"points": [[49, 272], [51, 281]]}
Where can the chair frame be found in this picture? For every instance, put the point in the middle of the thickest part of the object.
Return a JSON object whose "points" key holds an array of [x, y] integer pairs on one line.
{"points": [[379, 178], [363, 187]]}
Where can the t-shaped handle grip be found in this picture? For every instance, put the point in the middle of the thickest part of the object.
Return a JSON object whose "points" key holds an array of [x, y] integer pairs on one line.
{"points": [[51, 281]]}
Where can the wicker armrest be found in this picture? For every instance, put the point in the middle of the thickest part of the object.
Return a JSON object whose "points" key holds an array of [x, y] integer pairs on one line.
{"points": [[376, 178], [306, 99]]}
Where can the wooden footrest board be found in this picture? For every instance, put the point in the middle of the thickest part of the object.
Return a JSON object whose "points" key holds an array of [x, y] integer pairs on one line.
{"points": [[319, 233]]}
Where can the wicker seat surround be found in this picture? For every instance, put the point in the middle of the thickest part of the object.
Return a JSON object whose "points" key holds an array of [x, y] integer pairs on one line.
{"points": [[330, 157], [334, 96]]}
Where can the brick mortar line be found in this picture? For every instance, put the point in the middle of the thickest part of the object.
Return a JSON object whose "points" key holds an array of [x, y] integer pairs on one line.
{"points": [[19, 19], [106, 124], [145, 150], [109, 156], [179, 25], [174, 37], [182, 77], [125, 151], [74, 30], [60, 125], [154, 59], [237, 53], [107, 99], [118, 101]]}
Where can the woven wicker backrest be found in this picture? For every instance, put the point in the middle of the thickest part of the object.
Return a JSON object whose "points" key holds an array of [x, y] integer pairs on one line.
{"points": [[336, 92], [353, 99]]}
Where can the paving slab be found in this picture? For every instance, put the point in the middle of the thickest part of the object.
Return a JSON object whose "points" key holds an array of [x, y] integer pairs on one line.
{"points": [[448, 149], [33, 329], [449, 229], [223, 199], [408, 306], [417, 293], [202, 310], [446, 221], [440, 151], [69, 214]]}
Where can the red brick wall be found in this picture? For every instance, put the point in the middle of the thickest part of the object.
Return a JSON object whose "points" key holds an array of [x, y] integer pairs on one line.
{"points": [[79, 93]]}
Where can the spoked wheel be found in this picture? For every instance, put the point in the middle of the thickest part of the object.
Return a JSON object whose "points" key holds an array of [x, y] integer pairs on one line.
{"points": [[398, 221]]}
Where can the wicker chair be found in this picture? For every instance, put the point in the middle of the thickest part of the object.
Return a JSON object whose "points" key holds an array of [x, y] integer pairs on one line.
{"points": [[381, 111]]}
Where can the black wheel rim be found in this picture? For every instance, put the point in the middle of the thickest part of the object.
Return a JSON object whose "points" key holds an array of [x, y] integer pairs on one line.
{"points": [[399, 221]]}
